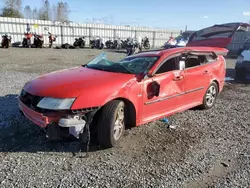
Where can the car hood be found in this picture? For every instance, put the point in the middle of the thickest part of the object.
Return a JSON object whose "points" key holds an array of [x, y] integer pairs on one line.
{"points": [[73, 82]]}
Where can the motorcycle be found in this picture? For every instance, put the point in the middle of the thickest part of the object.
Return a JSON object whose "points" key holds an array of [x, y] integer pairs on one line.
{"points": [[118, 44], [6, 41], [79, 42], [38, 41], [96, 43], [123, 44], [131, 46], [109, 44], [27, 40], [51, 39], [145, 43]]}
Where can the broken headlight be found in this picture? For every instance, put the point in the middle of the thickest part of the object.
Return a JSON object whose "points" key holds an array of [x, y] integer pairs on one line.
{"points": [[55, 103]]}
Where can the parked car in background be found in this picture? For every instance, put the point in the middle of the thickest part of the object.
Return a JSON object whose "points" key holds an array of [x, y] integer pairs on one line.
{"points": [[179, 41], [242, 66], [107, 96], [246, 46]]}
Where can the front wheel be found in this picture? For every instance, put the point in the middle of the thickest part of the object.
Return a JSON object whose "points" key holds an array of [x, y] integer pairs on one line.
{"points": [[147, 46], [41, 45], [210, 96], [82, 45], [240, 74], [101, 46], [111, 124]]}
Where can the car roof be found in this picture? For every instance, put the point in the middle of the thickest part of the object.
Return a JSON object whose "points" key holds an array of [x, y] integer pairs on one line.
{"points": [[163, 52]]}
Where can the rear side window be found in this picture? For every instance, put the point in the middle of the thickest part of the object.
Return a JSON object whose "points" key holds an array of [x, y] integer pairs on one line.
{"points": [[197, 60]]}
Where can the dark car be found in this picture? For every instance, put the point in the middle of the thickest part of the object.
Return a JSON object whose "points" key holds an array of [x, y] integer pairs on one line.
{"points": [[242, 66]]}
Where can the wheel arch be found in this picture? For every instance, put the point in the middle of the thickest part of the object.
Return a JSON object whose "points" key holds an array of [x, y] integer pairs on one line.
{"points": [[130, 111], [217, 83]]}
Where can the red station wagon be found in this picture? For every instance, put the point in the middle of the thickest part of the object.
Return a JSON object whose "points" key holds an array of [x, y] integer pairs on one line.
{"points": [[109, 96]]}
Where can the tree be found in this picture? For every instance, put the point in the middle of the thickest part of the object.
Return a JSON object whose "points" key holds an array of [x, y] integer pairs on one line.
{"points": [[62, 12], [28, 12], [35, 13], [12, 9], [45, 11]]}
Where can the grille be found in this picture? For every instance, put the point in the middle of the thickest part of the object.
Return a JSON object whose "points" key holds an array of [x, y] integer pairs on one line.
{"points": [[30, 100]]}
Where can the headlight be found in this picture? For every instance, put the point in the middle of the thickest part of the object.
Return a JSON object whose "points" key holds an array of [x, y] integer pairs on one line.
{"points": [[240, 59], [56, 104]]}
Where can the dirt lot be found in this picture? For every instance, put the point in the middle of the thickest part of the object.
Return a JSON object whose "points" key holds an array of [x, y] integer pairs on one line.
{"points": [[208, 148]]}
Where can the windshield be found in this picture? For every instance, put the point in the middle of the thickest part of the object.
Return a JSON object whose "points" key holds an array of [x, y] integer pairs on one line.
{"points": [[128, 65]]}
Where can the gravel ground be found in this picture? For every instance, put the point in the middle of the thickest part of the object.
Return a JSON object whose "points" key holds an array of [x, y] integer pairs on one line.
{"points": [[208, 148]]}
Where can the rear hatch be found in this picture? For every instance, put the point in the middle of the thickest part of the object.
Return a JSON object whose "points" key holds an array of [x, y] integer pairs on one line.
{"points": [[217, 35]]}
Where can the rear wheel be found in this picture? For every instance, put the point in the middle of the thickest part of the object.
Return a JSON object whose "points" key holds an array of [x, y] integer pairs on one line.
{"points": [[111, 124], [210, 96], [147, 46]]}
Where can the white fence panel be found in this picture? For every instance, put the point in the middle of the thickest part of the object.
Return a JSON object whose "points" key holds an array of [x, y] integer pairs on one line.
{"points": [[67, 32]]}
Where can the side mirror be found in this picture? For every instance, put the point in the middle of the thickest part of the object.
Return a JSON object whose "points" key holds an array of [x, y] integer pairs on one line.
{"points": [[182, 64], [155, 88]]}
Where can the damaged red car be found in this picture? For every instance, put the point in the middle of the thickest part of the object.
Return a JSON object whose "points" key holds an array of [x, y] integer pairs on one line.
{"points": [[107, 97]]}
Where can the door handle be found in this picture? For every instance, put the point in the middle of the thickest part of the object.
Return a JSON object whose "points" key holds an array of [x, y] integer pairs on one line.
{"points": [[177, 78]]}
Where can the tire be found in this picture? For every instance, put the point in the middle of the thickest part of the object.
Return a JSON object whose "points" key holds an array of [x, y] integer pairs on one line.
{"points": [[240, 74], [7, 45], [209, 100], [147, 46], [106, 124], [101, 47], [129, 51], [237, 75]]}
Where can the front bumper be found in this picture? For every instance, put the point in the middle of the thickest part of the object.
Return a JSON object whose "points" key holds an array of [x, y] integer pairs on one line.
{"points": [[57, 125], [37, 118]]}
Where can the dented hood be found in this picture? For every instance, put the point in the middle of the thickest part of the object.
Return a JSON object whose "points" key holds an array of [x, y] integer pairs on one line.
{"points": [[209, 36], [74, 82]]}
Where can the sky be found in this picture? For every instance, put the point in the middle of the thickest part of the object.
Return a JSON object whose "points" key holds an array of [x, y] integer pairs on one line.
{"points": [[166, 14]]}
